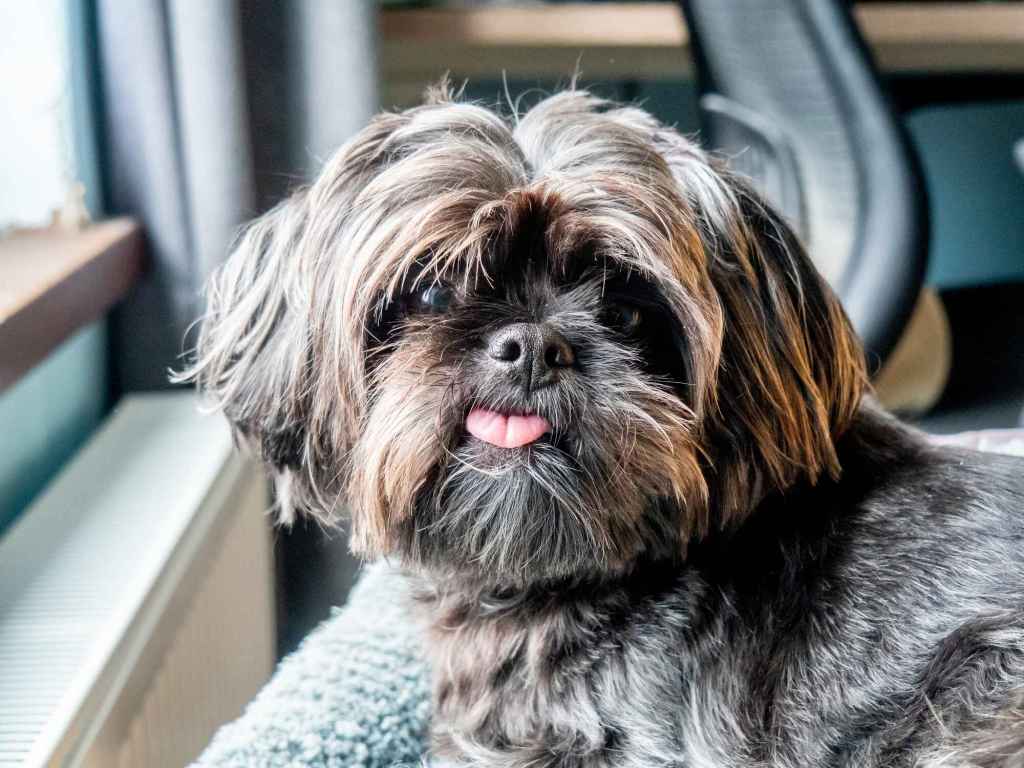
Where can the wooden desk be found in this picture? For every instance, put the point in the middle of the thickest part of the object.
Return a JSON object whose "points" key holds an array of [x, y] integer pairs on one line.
{"points": [[649, 41]]}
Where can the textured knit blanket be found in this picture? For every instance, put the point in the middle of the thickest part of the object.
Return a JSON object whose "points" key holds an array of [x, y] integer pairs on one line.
{"points": [[357, 694]]}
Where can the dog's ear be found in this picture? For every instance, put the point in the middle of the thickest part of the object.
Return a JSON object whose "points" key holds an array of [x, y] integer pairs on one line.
{"points": [[791, 370], [253, 348], [277, 352]]}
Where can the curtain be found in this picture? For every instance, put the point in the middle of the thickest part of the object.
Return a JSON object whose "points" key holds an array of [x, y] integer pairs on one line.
{"points": [[211, 112]]}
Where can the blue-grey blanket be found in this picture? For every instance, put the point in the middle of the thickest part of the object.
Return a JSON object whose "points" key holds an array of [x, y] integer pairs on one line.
{"points": [[356, 693]]}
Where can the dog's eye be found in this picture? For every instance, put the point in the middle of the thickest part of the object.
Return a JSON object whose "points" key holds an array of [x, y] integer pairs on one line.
{"points": [[624, 317], [434, 298]]}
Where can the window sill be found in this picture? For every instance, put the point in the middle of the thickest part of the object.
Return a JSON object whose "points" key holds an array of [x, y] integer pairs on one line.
{"points": [[52, 283]]}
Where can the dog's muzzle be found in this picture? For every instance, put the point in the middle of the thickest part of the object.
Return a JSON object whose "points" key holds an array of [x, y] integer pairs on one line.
{"points": [[533, 354]]}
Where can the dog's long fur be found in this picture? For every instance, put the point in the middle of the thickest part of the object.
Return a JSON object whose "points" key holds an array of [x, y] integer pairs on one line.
{"points": [[723, 554]]}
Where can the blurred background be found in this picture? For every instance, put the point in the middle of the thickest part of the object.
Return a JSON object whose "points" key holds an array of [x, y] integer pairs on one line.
{"points": [[140, 580]]}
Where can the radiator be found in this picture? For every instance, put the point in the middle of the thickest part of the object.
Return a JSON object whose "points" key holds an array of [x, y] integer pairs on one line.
{"points": [[136, 596]]}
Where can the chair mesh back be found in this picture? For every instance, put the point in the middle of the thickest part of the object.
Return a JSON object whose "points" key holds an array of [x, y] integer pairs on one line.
{"points": [[791, 97], [764, 60]]}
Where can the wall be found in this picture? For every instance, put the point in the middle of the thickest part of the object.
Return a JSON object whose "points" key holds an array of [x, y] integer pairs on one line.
{"points": [[47, 415], [976, 189]]}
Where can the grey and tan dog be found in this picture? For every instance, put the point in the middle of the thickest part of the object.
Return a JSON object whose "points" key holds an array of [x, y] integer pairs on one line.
{"points": [[594, 396]]}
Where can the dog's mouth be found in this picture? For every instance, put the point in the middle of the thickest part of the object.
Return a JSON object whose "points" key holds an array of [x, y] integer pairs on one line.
{"points": [[506, 430]]}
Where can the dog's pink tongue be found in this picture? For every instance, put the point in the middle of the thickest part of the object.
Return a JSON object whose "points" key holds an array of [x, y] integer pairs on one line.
{"points": [[505, 431]]}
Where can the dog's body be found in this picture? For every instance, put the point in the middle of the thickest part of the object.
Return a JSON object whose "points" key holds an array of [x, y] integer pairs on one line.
{"points": [[595, 397], [874, 621]]}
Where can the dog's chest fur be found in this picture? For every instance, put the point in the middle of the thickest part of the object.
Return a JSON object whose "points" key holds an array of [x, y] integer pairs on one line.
{"points": [[521, 683], [838, 636]]}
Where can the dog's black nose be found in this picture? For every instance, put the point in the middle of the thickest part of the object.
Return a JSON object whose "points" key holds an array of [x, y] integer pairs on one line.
{"points": [[533, 351]]}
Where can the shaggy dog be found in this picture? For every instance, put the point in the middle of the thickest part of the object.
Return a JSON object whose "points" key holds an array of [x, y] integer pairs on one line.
{"points": [[590, 391]]}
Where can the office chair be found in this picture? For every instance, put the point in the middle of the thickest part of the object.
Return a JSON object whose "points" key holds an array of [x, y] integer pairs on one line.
{"points": [[790, 94]]}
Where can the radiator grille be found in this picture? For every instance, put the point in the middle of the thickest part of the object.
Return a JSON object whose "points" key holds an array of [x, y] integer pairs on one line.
{"points": [[135, 595], [220, 656]]}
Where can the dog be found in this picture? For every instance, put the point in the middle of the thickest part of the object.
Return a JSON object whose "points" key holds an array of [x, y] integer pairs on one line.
{"points": [[589, 390]]}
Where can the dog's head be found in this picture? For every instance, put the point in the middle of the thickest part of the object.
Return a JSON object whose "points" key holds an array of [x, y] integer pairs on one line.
{"points": [[528, 350]]}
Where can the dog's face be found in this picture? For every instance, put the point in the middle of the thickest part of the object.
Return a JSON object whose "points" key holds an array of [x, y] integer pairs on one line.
{"points": [[531, 350]]}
